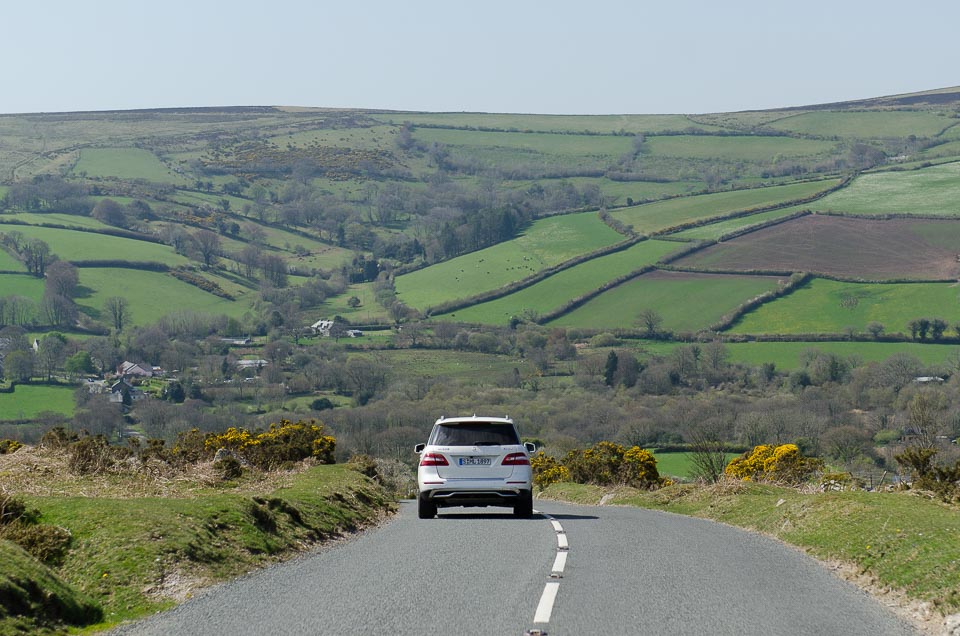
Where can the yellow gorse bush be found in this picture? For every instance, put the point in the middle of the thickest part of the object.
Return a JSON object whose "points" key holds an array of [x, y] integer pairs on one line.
{"points": [[783, 463], [547, 470]]}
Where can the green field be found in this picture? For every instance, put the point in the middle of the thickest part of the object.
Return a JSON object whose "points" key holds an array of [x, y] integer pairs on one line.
{"points": [[787, 356], [556, 290], [654, 217], [546, 123], [66, 220], [8, 262], [714, 231], [125, 163], [687, 302], [680, 464], [465, 365], [20, 284], [574, 145], [865, 124], [73, 245], [150, 295], [930, 191], [827, 306], [546, 243], [746, 148], [29, 400]]}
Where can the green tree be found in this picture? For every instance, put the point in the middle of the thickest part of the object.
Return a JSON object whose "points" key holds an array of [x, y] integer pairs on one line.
{"points": [[610, 369], [79, 364]]}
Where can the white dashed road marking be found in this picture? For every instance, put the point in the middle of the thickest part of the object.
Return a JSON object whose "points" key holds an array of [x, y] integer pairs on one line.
{"points": [[549, 596]]}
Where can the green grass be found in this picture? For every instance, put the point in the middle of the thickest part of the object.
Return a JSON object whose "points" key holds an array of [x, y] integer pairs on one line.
{"points": [[687, 302], [29, 400], [905, 542], [437, 363], [72, 245], [654, 217], [865, 124], [125, 163], [714, 231], [546, 123], [67, 220], [930, 191], [679, 465], [20, 284], [369, 311], [150, 295], [572, 145], [746, 148], [8, 262], [787, 356], [564, 286], [547, 242], [817, 308], [123, 545]]}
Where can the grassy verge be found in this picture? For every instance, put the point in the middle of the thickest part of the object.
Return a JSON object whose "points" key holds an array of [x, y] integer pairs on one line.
{"points": [[135, 555], [900, 541]]}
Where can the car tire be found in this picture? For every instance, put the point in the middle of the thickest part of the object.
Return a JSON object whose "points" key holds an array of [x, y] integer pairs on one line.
{"points": [[426, 509], [524, 505]]}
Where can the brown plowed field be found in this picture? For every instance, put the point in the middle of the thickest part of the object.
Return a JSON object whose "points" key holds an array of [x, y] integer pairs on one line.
{"points": [[860, 248]]}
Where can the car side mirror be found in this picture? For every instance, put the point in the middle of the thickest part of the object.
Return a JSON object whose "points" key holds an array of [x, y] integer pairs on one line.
{"points": [[419, 448], [530, 446]]}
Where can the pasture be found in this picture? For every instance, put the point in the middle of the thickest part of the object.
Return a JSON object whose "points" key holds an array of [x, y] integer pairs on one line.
{"points": [[686, 302], [680, 465], [659, 216], [839, 246], [602, 124], [125, 163], [732, 148], [55, 218], [29, 400], [21, 284], [828, 306], [864, 124], [8, 262], [933, 191], [73, 245], [553, 292], [713, 231], [571, 145], [150, 295], [547, 242], [788, 356]]}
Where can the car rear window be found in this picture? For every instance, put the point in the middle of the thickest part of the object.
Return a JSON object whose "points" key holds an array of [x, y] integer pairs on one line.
{"points": [[475, 434]]}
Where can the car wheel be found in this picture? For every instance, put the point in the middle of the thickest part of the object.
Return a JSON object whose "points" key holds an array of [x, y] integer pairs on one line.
{"points": [[426, 509], [524, 505]]}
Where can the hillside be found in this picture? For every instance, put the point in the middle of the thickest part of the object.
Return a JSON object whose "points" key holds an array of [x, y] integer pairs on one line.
{"points": [[500, 252]]}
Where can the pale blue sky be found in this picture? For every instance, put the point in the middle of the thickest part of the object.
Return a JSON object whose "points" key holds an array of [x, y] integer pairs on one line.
{"points": [[590, 57]]}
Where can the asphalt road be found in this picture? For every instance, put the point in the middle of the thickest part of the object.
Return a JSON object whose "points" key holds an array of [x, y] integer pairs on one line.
{"points": [[575, 570]]}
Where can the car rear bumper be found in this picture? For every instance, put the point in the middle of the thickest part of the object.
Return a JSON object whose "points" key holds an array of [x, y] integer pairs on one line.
{"points": [[478, 493]]}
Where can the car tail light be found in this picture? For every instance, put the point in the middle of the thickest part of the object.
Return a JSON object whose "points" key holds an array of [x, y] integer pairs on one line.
{"points": [[516, 459], [433, 459]]}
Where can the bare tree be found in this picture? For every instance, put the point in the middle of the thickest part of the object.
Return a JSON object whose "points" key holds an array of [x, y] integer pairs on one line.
{"points": [[208, 246], [650, 320], [116, 308]]}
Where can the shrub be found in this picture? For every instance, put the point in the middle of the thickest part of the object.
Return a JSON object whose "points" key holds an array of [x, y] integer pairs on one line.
{"points": [[228, 468], [45, 542], [292, 442], [13, 509], [547, 470], [93, 455], [57, 438], [8, 446], [606, 464], [926, 475], [784, 464]]}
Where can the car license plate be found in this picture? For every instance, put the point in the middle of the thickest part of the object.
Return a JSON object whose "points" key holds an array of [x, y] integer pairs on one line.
{"points": [[475, 461]]}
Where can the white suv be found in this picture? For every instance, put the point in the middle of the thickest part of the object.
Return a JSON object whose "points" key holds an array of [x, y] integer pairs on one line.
{"points": [[474, 461]]}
